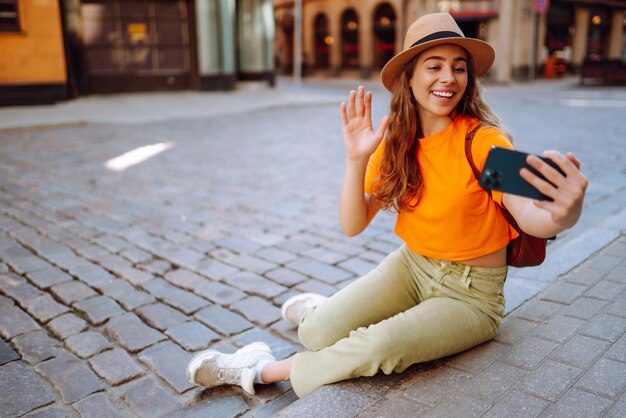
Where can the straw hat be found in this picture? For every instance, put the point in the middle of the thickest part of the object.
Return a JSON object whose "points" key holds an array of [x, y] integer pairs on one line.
{"points": [[431, 30]]}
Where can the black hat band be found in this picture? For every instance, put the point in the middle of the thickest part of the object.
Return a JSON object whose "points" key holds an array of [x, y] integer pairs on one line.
{"points": [[435, 36]]}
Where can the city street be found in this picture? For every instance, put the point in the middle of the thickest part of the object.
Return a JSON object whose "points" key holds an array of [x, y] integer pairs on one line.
{"points": [[113, 273]]}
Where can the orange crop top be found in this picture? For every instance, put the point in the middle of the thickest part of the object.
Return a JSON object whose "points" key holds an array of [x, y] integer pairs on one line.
{"points": [[455, 219]]}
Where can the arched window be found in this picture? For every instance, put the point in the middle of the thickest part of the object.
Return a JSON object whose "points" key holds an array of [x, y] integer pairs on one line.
{"points": [[350, 39], [323, 41], [384, 34]]}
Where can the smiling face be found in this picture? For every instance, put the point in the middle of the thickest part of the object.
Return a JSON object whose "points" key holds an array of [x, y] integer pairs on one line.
{"points": [[439, 82]]}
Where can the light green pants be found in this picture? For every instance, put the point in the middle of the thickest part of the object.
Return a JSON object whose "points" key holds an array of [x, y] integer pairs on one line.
{"points": [[408, 310]]}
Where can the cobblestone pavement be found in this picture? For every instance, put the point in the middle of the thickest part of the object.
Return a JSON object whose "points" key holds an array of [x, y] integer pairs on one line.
{"points": [[110, 280]]}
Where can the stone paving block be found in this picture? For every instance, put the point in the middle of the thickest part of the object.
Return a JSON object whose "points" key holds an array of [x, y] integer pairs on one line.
{"points": [[257, 310], [618, 308], [115, 287], [220, 293], [255, 285], [48, 277], [563, 292], [115, 366], [606, 290], [538, 310], [161, 316], [93, 275], [618, 350], [14, 321], [584, 308], [320, 271], [169, 361], [517, 404], [578, 403], [173, 296], [605, 261], [358, 266], [395, 406], [67, 325], [432, 389], [550, 380], [99, 309], [325, 256], [606, 327], [214, 269], [184, 278], [147, 398], [18, 288], [134, 299], [131, 333], [584, 275], [530, 352], [6, 353], [294, 246], [185, 301], [373, 256], [558, 329], [478, 358], [286, 277], [239, 245], [21, 391], [224, 406], [276, 255], [71, 377], [50, 413], [280, 348], [494, 381], [86, 344], [37, 346], [98, 405], [184, 257], [44, 308], [458, 406], [24, 265], [315, 286], [222, 320], [136, 255], [155, 266], [605, 378], [250, 263], [192, 335], [111, 243], [580, 351], [4, 268], [618, 408], [74, 291]]}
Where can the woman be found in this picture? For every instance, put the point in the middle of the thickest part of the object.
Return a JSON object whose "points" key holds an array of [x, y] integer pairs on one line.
{"points": [[442, 291]]}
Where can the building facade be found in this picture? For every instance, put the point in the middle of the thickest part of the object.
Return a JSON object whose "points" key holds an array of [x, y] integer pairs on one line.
{"points": [[356, 38], [33, 64], [54, 49]]}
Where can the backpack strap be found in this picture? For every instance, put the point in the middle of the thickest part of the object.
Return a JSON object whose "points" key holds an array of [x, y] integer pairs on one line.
{"points": [[469, 138]]}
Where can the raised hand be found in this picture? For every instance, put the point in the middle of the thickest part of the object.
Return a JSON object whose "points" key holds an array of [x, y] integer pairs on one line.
{"points": [[359, 137]]}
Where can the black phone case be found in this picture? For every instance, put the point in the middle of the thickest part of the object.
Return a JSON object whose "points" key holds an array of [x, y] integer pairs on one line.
{"points": [[501, 172]]}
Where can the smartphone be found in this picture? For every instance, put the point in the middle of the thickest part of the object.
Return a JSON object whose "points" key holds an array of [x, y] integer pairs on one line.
{"points": [[501, 172]]}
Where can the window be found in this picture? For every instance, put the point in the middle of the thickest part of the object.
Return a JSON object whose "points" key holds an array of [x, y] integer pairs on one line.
{"points": [[9, 18]]}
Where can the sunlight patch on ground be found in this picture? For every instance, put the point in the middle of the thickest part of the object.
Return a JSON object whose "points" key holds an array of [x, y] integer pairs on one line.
{"points": [[136, 156]]}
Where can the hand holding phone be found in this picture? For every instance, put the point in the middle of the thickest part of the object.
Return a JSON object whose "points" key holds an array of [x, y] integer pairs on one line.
{"points": [[502, 172]]}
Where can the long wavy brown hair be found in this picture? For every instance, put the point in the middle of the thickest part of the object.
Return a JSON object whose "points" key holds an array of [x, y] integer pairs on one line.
{"points": [[400, 182]]}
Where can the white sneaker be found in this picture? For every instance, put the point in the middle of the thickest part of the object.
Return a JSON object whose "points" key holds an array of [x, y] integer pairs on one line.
{"points": [[294, 307], [210, 368]]}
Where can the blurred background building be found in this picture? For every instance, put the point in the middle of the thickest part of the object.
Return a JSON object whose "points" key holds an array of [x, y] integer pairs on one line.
{"points": [[56, 49], [356, 38]]}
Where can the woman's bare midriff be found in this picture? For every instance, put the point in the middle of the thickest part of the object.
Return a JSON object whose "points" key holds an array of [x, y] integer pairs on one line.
{"points": [[491, 260]]}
